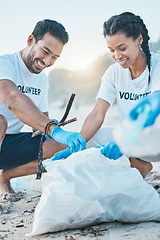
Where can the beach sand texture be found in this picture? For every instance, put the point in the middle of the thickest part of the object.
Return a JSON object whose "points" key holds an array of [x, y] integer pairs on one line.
{"points": [[16, 218]]}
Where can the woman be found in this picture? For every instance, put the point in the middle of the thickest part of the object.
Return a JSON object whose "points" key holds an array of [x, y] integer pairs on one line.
{"points": [[135, 75]]}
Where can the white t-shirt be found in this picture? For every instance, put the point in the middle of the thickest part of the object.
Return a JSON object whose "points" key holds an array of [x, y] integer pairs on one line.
{"points": [[118, 84], [35, 86]]}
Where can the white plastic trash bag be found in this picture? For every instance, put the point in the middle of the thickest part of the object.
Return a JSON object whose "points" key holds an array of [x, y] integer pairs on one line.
{"points": [[87, 188]]}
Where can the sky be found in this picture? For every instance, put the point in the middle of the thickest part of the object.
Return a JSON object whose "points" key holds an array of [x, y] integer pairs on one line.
{"points": [[83, 20]]}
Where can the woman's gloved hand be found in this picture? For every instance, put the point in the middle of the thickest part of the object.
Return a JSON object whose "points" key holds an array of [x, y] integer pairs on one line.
{"points": [[111, 151]]}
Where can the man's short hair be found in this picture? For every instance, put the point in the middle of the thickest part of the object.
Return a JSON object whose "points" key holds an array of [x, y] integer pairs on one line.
{"points": [[50, 26]]}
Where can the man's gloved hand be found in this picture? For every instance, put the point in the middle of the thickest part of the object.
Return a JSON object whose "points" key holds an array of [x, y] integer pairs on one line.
{"points": [[111, 151], [73, 139], [153, 103], [62, 154]]}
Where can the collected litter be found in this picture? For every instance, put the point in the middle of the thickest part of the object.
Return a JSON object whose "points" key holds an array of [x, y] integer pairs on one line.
{"points": [[87, 188]]}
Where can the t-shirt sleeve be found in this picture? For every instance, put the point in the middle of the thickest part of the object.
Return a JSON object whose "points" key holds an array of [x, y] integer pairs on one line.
{"points": [[107, 88], [7, 70]]}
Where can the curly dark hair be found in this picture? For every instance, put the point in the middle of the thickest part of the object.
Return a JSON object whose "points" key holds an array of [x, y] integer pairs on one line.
{"points": [[132, 26]]}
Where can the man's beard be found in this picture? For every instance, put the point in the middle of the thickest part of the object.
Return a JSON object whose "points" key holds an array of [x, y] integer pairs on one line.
{"points": [[30, 62]]}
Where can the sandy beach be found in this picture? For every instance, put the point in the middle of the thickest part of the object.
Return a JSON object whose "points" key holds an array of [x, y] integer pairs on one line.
{"points": [[16, 218]]}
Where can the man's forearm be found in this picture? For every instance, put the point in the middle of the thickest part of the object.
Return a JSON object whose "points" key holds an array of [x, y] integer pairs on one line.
{"points": [[22, 106], [26, 111]]}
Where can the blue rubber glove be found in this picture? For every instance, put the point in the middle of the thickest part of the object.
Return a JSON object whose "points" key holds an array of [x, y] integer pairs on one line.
{"points": [[111, 151], [73, 139], [62, 154], [153, 103]]}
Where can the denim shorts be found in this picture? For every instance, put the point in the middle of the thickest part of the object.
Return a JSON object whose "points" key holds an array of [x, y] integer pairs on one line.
{"points": [[18, 149]]}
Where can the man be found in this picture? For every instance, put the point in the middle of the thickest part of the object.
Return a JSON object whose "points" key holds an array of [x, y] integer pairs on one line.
{"points": [[23, 100]]}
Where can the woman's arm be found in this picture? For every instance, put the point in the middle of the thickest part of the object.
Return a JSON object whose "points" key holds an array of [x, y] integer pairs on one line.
{"points": [[95, 119]]}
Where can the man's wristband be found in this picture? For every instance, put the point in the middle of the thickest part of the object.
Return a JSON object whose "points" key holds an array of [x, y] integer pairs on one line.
{"points": [[47, 127], [57, 124]]}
